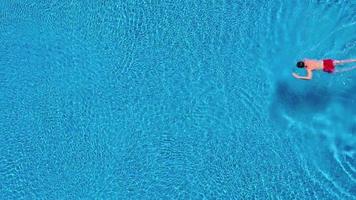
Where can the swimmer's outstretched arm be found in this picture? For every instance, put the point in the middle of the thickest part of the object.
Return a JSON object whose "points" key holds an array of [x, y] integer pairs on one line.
{"points": [[308, 77]]}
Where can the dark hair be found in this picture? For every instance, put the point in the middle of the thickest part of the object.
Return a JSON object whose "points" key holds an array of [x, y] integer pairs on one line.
{"points": [[300, 64]]}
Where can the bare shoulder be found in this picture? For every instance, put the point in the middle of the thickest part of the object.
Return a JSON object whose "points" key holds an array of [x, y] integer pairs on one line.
{"points": [[310, 60]]}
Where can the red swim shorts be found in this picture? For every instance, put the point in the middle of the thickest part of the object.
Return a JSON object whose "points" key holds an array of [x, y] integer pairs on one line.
{"points": [[328, 66]]}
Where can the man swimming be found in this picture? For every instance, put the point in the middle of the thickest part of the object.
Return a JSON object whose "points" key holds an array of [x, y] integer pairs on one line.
{"points": [[327, 65]]}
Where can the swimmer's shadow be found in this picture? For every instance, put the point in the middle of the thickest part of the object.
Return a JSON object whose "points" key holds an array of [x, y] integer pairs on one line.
{"points": [[309, 100]]}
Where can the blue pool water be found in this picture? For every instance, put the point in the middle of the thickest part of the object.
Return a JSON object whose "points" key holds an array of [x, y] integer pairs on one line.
{"points": [[175, 100]]}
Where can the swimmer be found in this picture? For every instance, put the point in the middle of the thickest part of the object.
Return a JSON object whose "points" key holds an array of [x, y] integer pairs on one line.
{"points": [[327, 65]]}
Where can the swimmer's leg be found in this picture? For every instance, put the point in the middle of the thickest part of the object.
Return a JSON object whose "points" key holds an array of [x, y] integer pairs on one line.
{"points": [[345, 69], [340, 62]]}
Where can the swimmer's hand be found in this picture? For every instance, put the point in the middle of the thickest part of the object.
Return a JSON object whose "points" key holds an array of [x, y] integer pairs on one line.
{"points": [[308, 77], [296, 75]]}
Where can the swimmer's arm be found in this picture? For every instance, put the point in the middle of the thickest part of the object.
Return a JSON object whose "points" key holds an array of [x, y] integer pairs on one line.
{"points": [[308, 77]]}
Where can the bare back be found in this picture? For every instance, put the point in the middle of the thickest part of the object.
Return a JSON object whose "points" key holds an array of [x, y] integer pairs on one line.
{"points": [[313, 64]]}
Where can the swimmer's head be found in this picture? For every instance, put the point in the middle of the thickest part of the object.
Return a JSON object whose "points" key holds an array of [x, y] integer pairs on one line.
{"points": [[300, 64]]}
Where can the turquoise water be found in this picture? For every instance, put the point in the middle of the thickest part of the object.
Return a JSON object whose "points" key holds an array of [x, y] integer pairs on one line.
{"points": [[175, 100]]}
